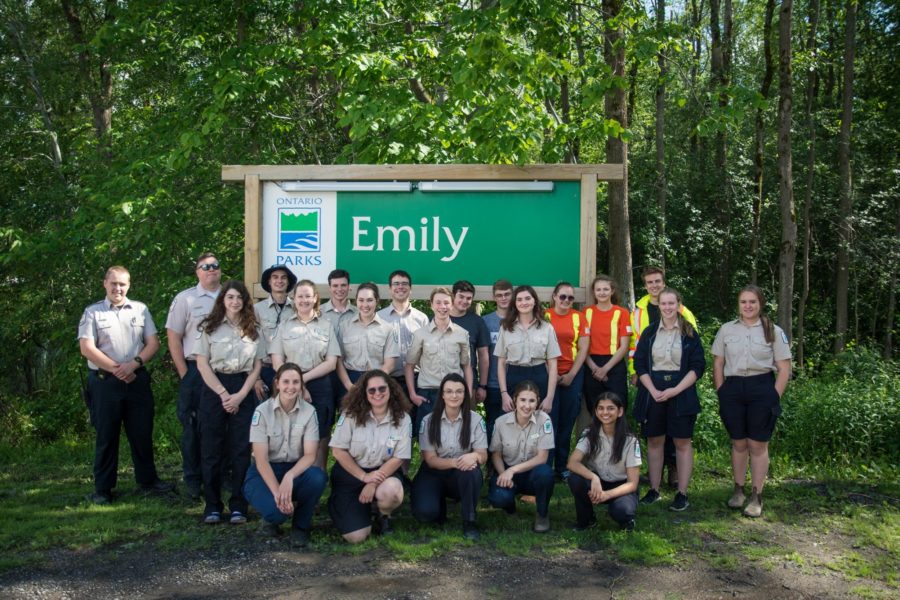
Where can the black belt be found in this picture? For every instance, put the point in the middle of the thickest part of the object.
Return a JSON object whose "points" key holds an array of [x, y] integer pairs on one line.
{"points": [[101, 374]]}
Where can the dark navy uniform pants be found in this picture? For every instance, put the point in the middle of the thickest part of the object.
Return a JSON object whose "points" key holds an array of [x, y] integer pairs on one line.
{"points": [[115, 403], [566, 406], [308, 488], [432, 487], [188, 403], [225, 437], [621, 509], [537, 482]]}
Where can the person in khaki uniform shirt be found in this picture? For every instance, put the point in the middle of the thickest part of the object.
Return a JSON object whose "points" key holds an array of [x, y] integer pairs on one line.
{"points": [[229, 357], [454, 445], [284, 435], [117, 336], [372, 438], [439, 348], [367, 342], [751, 370], [308, 339], [527, 349], [278, 281], [605, 466], [519, 448]]}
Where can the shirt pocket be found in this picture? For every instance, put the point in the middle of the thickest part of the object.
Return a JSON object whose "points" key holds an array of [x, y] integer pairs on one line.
{"points": [[537, 350], [355, 348], [432, 350], [515, 352], [359, 445], [761, 352]]}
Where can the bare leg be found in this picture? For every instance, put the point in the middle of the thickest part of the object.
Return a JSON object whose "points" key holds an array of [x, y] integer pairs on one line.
{"points": [[389, 495], [739, 459], [655, 447], [684, 457], [358, 536], [759, 464]]}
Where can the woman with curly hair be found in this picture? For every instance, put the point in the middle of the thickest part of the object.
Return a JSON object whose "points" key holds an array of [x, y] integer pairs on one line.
{"points": [[229, 358], [370, 442]]}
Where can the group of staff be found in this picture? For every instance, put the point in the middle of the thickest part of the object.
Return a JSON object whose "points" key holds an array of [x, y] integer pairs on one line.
{"points": [[270, 380]]}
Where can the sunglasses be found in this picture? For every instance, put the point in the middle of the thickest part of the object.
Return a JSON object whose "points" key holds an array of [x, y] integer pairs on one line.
{"points": [[209, 267], [377, 389], [566, 298]]}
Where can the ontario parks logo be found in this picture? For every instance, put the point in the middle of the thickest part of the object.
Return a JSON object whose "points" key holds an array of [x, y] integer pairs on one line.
{"points": [[299, 230]]}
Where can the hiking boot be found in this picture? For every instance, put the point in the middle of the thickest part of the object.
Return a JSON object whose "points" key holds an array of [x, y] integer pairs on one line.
{"points": [[99, 498], [628, 526], [384, 525], [267, 529], [541, 524], [299, 538], [650, 497], [754, 507], [585, 526], [679, 503], [470, 531], [193, 489], [158, 488], [737, 497]]}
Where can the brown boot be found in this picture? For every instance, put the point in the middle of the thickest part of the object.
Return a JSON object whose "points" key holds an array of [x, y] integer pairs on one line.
{"points": [[737, 497], [754, 507]]}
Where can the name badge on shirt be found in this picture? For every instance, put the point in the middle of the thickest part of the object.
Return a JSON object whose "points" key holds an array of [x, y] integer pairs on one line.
{"points": [[391, 444]]}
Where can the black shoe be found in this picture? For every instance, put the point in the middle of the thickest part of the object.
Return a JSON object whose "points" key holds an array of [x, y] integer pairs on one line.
{"points": [[629, 526], [650, 497], [267, 529], [299, 538], [193, 489], [470, 531], [100, 498], [511, 509], [385, 527], [679, 503], [584, 527], [158, 488]]}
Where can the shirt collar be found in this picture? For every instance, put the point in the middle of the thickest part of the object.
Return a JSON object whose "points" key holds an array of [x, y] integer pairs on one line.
{"points": [[202, 291], [109, 305]]}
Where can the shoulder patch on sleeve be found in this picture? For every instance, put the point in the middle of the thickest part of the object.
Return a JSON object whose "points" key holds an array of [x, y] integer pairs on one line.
{"points": [[84, 319], [784, 337], [483, 426], [255, 420], [340, 420], [637, 449], [410, 430], [548, 426]]}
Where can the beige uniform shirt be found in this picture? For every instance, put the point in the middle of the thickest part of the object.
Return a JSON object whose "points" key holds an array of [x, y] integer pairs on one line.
{"points": [[746, 351], [365, 347], [599, 464], [666, 350], [438, 352], [336, 318], [306, 344], [119, 333], [228, 351], [186, 312], [284, 432], [270, 316], [404, 325], [521, 444], [372, 443], [450, 447], [528, 347]]}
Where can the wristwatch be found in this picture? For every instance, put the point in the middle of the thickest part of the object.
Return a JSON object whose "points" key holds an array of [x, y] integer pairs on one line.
{"points": [[139, 360]]}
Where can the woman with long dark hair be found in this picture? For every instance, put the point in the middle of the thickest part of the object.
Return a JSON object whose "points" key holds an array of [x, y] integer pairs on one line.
{"points": [[453, 441], [371, 440], [751, 370], [229, 358], [605, 466]]}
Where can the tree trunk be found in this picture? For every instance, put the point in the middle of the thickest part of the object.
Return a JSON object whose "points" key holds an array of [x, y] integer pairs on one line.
{"points": [[845, 223], [720, 62], [100, 90], [617, 152], [812, 75], [759, 140], [788, 254], [661, 184], [696, 14], [892, 297]]}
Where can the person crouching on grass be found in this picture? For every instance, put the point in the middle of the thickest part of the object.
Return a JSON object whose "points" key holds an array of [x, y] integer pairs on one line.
{"points": [[605, 466]]}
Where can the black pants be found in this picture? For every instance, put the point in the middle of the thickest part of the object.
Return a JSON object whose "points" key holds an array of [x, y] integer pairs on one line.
{"points": [[616, 382], [431, 488], [621, 509], [189, 391], [115, 403], [225, 437]]}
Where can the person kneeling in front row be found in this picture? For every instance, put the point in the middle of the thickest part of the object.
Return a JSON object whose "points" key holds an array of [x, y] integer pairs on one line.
{"points": [[370, 442], [605, 466], [284, 434]]}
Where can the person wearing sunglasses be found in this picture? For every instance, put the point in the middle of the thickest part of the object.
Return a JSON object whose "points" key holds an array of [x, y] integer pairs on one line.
{"points": [[371, 440], [571, 334], [608, 326], [188, 309], [453, 441]]}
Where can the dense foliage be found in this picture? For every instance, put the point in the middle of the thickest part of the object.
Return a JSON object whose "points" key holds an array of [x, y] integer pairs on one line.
{"points": [[117, 116]]}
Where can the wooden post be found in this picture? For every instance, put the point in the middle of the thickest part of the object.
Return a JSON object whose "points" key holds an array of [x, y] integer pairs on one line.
{"points": [[588, 234], [252, 231]]}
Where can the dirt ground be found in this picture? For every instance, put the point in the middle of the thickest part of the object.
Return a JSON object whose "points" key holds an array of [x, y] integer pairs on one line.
{"points": [[270, 569]]}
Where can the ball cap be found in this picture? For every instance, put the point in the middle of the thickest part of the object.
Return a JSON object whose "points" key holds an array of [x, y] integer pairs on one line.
{"points": [[292, 279]]}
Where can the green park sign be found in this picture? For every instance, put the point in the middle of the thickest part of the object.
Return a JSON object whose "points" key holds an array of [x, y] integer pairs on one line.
{"points": [[441, 223]]}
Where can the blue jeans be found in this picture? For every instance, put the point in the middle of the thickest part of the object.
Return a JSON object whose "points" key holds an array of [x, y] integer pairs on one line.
{"points": [[308, 488], [537, 482]]}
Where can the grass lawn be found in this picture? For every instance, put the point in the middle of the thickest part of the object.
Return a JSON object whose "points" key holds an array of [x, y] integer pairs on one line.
{"points": [[845, 522]]}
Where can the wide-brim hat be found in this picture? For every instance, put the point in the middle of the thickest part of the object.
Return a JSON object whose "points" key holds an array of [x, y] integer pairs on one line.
{"points": [[292, 279]]}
